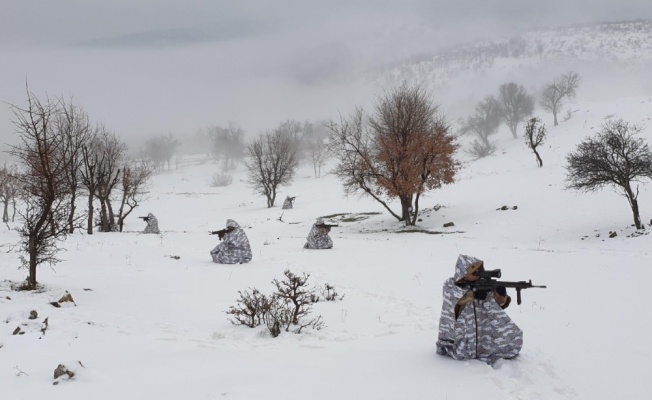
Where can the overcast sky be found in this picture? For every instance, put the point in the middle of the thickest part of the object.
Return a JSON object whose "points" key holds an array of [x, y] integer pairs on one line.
{"points": [[158, 66]]}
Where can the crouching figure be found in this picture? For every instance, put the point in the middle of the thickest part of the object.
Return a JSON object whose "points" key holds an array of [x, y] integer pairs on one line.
{"points": [[288, 204], [473, 324], [318, 237], [152, 224], [234, 247]]}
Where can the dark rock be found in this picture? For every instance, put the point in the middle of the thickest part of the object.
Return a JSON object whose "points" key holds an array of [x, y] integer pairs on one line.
{"points": [[448, 224], [63, 370]]}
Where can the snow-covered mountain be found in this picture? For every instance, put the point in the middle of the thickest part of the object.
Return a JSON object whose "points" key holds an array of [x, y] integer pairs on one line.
{"points": [[615, 44]]}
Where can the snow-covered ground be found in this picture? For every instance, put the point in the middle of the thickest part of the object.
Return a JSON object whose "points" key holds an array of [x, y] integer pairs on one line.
{"points": [[149, 325]]}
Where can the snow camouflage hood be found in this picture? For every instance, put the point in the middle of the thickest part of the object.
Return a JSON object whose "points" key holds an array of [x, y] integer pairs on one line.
{"points": [[152, 224], [482, 331], [234, 248], [317, 239], [287, 204]]}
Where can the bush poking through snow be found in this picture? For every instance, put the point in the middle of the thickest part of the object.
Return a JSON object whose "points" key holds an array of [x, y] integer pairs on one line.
{"points": [[220, 180], [250, 309], [288, 307], [329, 294]]}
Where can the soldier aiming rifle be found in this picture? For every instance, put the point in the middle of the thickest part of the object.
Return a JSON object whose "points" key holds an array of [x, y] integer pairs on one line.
{"points": [[473, 323], [152, 224], [318, 237], [289, 202]]}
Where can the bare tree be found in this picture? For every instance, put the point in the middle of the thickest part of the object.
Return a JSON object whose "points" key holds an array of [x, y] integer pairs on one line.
{"points": [[89, 173], [482, 124], [74, 127], [613, 157], [9, 189], [134, 189], [161, 149], [100, 173], [535, 134], [515, 104], [404, 149], [43, 187], [295, 131], [227, 143], [112, 152], [271, 163], [314, 141], [563, 86]]}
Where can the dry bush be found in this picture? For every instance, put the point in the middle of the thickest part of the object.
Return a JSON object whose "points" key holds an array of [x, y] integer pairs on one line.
{"points": [[221, 180], [479, 149]]}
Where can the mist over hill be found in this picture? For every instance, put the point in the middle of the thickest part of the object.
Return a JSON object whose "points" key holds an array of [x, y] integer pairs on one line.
{"points": [[613, 59], [179, 81]]}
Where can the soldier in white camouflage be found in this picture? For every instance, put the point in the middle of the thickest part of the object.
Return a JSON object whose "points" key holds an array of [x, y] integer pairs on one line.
{"points": [[152, 224], [318, 237], [288, 203], [475, 328], [234, 247]]}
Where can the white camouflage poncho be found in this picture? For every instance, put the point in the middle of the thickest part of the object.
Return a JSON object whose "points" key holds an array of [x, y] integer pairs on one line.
{"points": [[288, 203], [482, 331], [317, 239], [234, 248], [152, 224]]}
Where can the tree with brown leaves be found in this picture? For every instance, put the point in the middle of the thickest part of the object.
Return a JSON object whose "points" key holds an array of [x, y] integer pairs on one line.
{"points": [[402, 150]]}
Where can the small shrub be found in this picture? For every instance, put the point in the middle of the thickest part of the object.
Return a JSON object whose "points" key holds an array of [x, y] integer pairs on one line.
{"points": [[480, 149], [250, 309], [288, 307], [220, 180], [329, 294]]}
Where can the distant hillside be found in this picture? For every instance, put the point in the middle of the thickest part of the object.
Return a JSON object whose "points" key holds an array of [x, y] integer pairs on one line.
{"points": [[622, 43]]}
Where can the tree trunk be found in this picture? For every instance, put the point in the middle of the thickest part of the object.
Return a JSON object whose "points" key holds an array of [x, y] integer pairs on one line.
{"points": [[554, 114], [633, 203], [111, 215], [539, 160], [104, 221], [71, 216], [5, 214], [513, 129], [31, 279], [89, 227], [406, 207]]}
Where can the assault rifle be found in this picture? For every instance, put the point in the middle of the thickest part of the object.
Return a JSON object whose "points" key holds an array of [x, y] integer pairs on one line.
{"points": [[146, 219], [486, 284], [327, 226], [219, 233]]}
